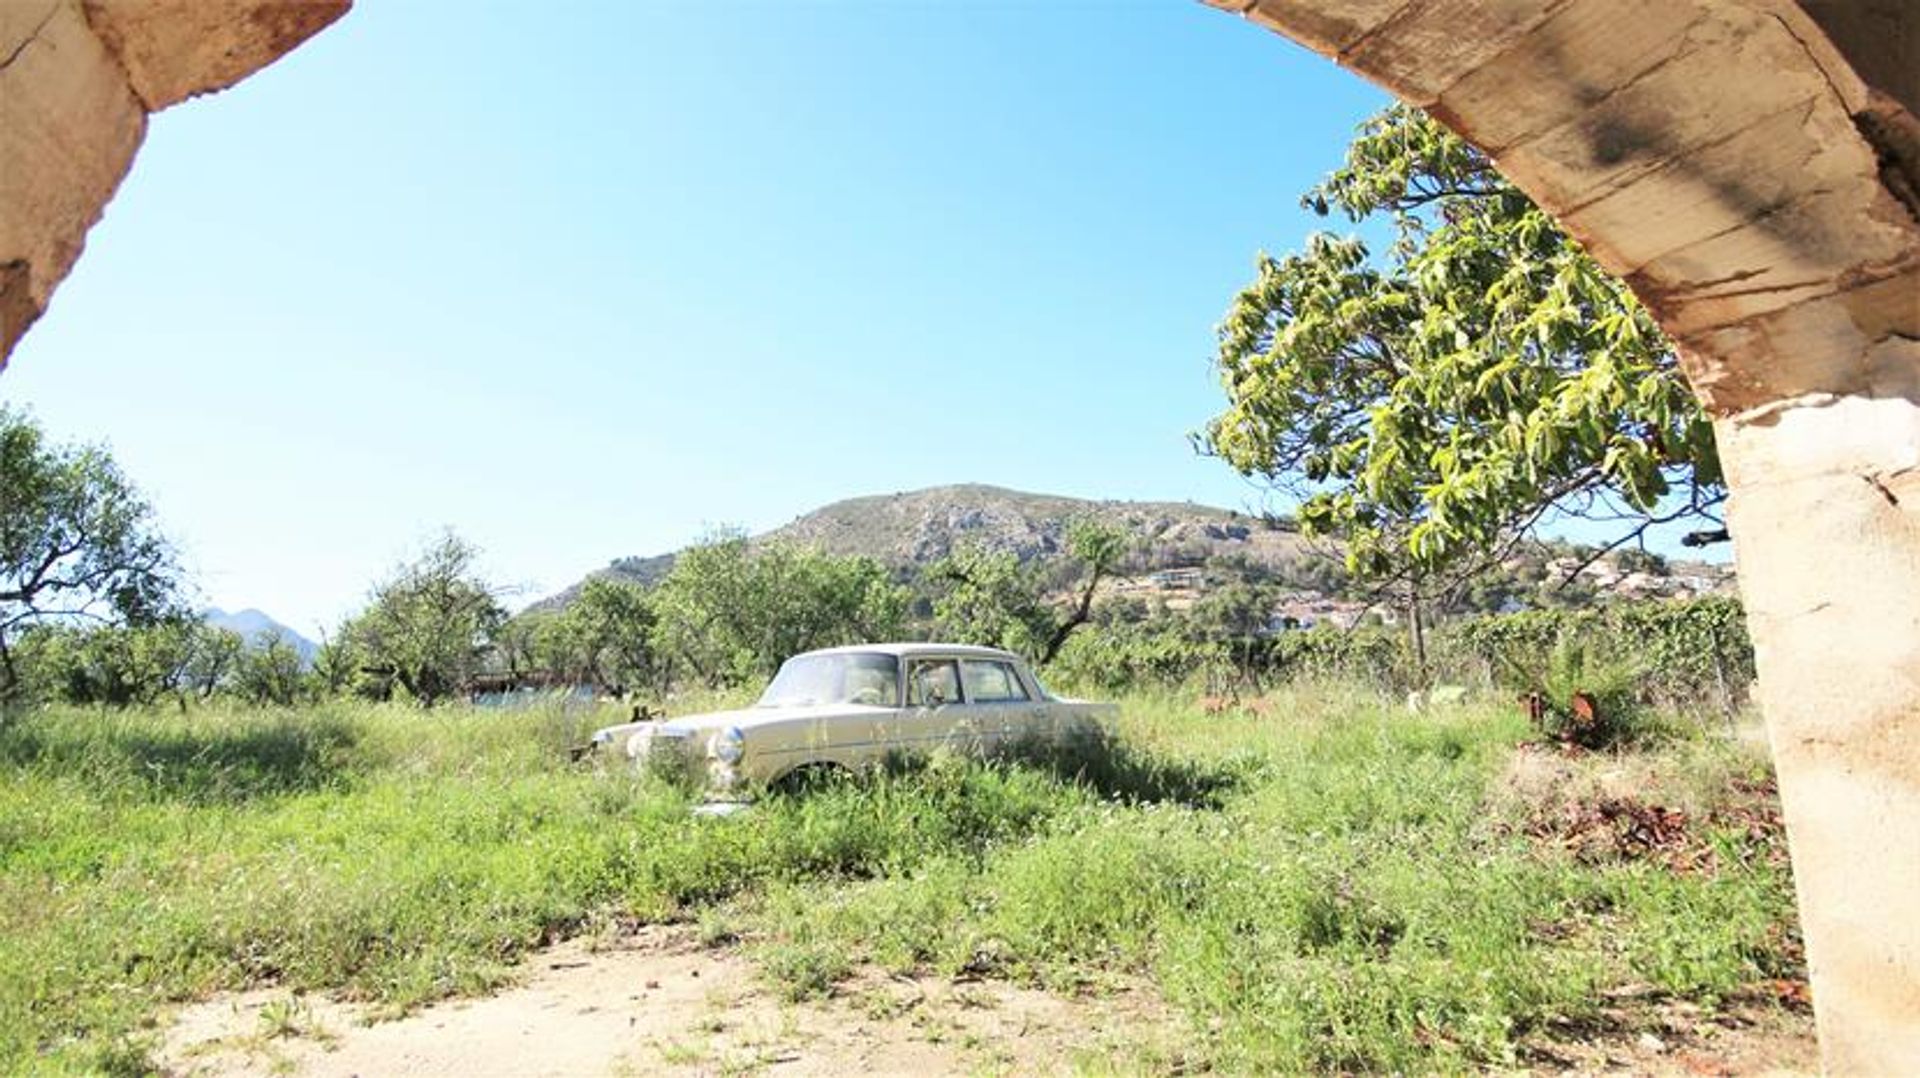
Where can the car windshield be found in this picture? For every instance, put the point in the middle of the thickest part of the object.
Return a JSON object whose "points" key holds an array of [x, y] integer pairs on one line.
{"points": [[842, 678]]}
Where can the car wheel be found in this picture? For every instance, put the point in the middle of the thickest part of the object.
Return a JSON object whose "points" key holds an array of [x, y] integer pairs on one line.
{"points": [[807, 778]]}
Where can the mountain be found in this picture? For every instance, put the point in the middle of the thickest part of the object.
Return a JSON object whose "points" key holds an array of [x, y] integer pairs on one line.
{"points": [[913, 529], [252, 625]]}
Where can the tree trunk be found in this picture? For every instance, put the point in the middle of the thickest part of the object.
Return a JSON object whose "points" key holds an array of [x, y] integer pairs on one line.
{"points": [[9, 677], [1826, 524], [1417, 633]]}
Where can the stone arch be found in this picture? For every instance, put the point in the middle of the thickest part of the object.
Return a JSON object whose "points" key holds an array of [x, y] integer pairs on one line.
{"points": [[1750, 167]]}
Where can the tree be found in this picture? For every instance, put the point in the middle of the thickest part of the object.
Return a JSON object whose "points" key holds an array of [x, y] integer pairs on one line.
{"points": [[1430, 407], [1234, 618], [269, 671], [336, 665], [605, 637], [992, 599], [732, 612], [77, 541], [428, 626], [117, 665], [989, 598], [213, 655]]}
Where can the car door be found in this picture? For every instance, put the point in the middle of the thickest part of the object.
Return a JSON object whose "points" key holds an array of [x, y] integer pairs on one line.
{"points": [[936, 714], [1003, 709]]}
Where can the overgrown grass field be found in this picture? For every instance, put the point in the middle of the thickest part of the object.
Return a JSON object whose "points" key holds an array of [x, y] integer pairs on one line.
{"points": [[1336, 884]]}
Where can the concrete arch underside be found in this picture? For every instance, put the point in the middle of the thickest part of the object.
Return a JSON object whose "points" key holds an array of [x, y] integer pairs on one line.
{"points": [[1750, 167]]}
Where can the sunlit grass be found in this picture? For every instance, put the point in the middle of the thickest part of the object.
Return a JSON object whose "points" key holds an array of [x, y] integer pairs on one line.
{"points": [[1335, 884]]}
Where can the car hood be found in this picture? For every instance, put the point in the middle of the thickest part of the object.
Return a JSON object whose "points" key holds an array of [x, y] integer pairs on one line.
{"points": [[747, 718]]}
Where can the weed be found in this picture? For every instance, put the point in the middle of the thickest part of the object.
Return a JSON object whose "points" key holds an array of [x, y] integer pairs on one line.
{"points": [[1336, 886], [805, 970]]}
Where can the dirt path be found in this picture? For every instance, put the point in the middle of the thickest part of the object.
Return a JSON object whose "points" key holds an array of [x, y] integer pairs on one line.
{"points": [[658, 1004]]}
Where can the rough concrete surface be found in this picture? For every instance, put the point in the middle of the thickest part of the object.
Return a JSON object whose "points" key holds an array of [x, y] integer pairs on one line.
{"points": [[1750, 168], [76, 83]]}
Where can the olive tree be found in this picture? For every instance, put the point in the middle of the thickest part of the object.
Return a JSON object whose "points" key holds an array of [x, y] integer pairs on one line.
{"points": [[269, 670], [605, 636], [428, 627], [988, 597], [731, 611], [78, 543]]}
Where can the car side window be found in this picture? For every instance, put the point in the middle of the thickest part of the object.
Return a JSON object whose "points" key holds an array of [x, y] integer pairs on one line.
{"points": [[933, 682], [990, 682], [873, 680]]}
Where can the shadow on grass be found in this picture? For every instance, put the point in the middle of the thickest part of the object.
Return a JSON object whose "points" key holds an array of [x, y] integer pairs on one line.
{"points": [[1120, 772], [211, 763], [1106, 765]]}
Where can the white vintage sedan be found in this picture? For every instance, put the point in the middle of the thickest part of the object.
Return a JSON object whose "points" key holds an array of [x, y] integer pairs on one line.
{"points": [[844, 709]]}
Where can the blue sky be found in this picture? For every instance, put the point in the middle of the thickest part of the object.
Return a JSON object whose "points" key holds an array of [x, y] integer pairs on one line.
{"points": [[582, 281]]}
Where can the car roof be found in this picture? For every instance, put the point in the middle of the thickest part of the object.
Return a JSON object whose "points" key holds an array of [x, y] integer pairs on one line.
{"points": [[913, 648]]}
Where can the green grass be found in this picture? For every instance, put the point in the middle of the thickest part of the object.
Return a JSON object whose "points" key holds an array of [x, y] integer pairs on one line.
{"points": [[1341, 885]]}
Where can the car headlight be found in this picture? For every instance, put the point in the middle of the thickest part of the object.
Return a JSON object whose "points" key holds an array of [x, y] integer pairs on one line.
{"points": [[728, 745]]}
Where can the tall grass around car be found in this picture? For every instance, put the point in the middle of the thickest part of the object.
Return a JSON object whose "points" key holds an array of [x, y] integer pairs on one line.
{"points": [[1334, 884]]}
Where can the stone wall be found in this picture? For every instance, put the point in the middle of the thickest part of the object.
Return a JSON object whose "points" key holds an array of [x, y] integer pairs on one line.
{"points": [[77, 80]]}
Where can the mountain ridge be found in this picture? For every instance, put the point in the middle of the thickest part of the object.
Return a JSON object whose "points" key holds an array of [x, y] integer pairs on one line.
{"points": [[912, 529], [253, 624]]}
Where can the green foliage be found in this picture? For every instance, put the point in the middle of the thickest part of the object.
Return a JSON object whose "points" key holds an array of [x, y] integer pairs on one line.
{"points": [[731, 612], [1122, 656], [125, 665], [1485, 372], [1584, 700], [1337, 899], [1680, 655], [428, 627], [268, 672], [1683, 653], [989, 597], [992, 600], [77, 541], [607, 636]]}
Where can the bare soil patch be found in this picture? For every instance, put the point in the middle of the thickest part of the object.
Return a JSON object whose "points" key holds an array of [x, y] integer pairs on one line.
{"points": [[1675, 1038], [657, 1003]]}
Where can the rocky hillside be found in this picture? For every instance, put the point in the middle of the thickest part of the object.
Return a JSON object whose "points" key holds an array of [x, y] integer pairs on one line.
{"points": [[916, 528], [923, 526], [913, 529]]}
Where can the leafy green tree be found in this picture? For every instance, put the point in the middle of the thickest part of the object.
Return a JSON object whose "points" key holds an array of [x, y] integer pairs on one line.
{"points": [[605, 637], [523, 645], [1234, 618], [992, 599], [429, 625], [213, 654], [269, 671], [111, 665], [77, 541], [1431, 405], [336, 665], [732, 612]]}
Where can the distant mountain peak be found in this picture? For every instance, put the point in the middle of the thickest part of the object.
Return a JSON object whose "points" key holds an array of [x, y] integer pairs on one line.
{"points": [[914, 528], [254, 624]]}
